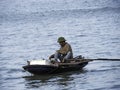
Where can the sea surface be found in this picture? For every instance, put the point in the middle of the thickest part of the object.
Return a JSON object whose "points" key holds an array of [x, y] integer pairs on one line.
{"points": [[29, 30]]}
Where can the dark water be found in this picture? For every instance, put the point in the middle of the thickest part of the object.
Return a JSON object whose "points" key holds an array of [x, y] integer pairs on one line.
{"points": [[29, 30]]}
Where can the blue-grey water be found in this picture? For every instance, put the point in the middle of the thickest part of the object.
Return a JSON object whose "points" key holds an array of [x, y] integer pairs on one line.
{"points": [[29, 30]]}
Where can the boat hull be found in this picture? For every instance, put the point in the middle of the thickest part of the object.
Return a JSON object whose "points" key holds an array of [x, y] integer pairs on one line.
{"points": [[52, 69]]}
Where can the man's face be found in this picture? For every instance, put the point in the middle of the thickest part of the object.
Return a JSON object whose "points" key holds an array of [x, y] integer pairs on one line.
{"points": [[62, 43]]}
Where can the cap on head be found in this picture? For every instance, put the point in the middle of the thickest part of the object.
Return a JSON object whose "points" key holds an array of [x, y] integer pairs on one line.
{"points": [[61, 39]]}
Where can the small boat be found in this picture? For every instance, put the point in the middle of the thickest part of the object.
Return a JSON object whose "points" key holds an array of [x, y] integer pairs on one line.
{"points": [[40, 67]]}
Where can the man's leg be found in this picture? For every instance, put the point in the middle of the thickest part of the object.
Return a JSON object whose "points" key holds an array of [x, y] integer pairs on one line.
{"points": [[57, 56], [68, 56]]}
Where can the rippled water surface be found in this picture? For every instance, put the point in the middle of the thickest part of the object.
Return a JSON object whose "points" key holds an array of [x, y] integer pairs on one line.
{"points": [[29, 30]]}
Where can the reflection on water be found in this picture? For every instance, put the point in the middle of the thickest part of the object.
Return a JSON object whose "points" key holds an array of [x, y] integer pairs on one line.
{"points": [[62, 79]]}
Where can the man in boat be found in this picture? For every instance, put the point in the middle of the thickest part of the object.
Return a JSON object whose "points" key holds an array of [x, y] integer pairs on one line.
{"points": [[65, 51]]}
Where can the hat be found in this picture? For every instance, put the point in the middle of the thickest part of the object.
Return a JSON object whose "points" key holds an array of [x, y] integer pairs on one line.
{"points": [[61, 39]]}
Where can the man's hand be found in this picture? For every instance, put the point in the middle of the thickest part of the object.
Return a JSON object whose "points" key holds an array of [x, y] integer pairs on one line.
{"points": [[58, 51], [52, 56]]}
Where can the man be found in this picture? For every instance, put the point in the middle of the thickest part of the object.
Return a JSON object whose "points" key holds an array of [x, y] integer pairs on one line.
{"points": [[65, 51]]}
